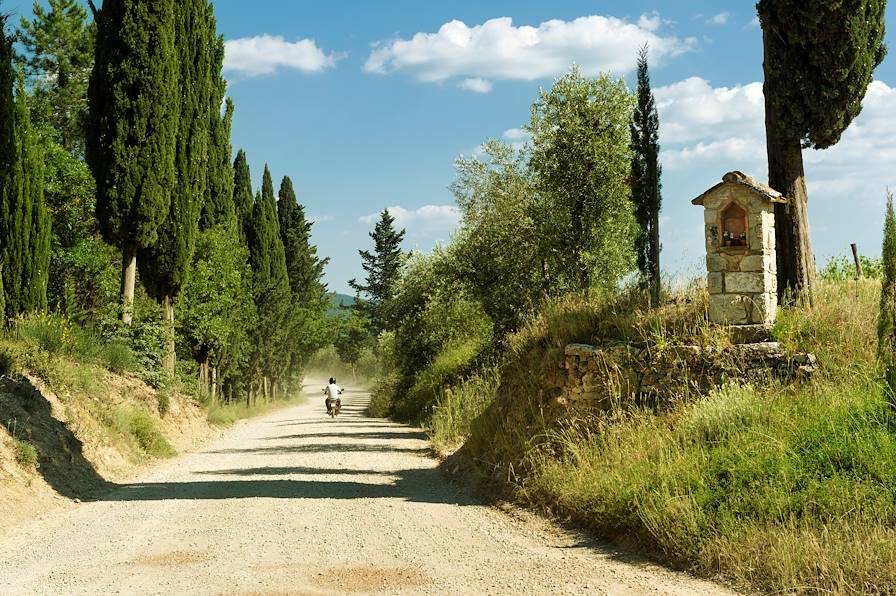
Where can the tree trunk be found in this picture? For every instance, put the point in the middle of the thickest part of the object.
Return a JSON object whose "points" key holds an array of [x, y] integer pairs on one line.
{"points": [[796, 261], [128, 283], [203, 376], [214, 384], [168, 317]]}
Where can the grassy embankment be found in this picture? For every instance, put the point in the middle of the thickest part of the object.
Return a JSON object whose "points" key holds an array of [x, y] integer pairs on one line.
{"points": [[776, 487], [75, 410]]}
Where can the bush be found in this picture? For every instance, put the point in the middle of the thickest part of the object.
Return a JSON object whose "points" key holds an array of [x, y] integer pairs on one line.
{"points": [[460, 404], [164, 403], [140, 427], [26, 454], [117, 357], [7, 363]]}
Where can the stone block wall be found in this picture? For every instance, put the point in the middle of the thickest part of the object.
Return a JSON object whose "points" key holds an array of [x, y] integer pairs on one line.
{"points": [[619, 376], [741, 280]]}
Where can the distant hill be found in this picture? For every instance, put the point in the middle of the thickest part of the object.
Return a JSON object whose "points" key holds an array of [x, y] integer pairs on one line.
{"points": [[337, 301]]}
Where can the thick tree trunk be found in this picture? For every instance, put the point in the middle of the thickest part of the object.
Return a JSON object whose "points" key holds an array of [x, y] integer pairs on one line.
{"points": [[168, 317], [128, 284], [796, 261]]}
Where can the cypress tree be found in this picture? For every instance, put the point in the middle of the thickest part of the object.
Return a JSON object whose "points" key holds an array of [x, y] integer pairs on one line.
{"points": [[819, 60], [646, 172], [886, 327], [24, 220], [270, 288], [34, 239], [8, 155], [218, 205], [132, 133], [304, 270], [242, 195], [383, 267], [166, 261]]}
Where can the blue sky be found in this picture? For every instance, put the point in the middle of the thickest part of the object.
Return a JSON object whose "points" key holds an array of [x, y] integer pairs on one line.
{"points": [[366, 105]]}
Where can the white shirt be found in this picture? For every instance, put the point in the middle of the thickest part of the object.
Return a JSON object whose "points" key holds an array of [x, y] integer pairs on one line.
{"points": [[333, 391]]}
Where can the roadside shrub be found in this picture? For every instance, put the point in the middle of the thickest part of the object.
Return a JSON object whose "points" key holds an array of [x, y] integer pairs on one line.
{"points": [[7, 363], [141, 428], [117, 357], [26, 454], [164, 403]]}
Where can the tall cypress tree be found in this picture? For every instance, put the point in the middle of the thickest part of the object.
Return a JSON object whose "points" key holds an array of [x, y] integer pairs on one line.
{"points": [[133, 121], [8, 155], [166, 262], [383, 267], [24, 220], [34, 239], [886, 326], [242, 194], [305, 271], [820, 58], [271, 287], [646, 185], [218, 205]]}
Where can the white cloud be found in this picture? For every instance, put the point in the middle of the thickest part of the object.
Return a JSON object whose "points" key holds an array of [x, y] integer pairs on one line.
{"points": [[264, 54], [650, 22], [719, 19], [429, 218], [755, 22], [497, 49], [723, 128], [476, 85], [515, 134]]}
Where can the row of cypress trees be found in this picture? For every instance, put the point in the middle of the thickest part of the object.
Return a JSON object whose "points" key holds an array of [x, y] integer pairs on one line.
{"points": [[240, 266], [24, 220]]}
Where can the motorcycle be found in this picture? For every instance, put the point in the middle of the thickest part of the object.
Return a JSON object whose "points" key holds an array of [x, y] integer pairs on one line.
{"points": [[334, 406]]}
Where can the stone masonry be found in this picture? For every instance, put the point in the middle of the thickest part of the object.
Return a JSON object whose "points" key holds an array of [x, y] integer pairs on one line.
{"points": [[740, 251]]}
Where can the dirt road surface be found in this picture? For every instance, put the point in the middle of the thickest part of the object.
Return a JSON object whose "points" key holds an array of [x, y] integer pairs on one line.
{"points": [[297, 503]]}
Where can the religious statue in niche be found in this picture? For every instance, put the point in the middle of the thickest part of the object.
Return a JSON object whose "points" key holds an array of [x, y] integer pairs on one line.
{"points": [[734, 226]]}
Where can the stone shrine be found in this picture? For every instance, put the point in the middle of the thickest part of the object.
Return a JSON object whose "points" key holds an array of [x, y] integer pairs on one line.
{"points": [[740, 254]]}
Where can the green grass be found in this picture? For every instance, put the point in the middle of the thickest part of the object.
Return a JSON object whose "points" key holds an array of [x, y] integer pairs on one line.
{"points": [[225, 414], [775, 488], [26, 454], [138, 426]]}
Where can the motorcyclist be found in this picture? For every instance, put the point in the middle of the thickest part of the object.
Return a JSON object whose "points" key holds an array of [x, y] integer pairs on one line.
{"points": [[333, 391]]}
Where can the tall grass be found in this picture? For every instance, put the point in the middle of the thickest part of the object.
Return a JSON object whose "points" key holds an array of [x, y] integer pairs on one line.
{"points": [[777, 488]]}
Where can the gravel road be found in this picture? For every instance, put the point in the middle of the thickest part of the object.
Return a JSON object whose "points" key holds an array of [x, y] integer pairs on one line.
{"points": [[297, 503]]}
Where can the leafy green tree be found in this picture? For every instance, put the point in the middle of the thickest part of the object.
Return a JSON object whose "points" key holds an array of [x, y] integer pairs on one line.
{"points": [[216, 306], [645, 178], [166, 261], [58, 59], [581, 156], [352, 336], [886, 327], [383, 268], [305, 271], [820, 57], [271, 291], [242, 194], [133, 124], [494, 249]]}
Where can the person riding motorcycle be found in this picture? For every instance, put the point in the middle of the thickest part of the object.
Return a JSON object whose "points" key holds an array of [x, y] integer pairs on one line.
{"points": [[333, 391]]}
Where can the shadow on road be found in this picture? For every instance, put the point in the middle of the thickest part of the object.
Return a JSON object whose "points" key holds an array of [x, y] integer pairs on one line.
{"points": [[416, 485], [382, 435]]}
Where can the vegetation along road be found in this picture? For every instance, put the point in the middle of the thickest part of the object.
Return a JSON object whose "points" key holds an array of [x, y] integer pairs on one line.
{"points": [[297, 503]]}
